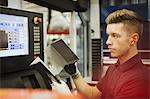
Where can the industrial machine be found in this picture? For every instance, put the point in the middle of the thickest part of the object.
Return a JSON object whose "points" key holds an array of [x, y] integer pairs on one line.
{"points": [[21, 41]]}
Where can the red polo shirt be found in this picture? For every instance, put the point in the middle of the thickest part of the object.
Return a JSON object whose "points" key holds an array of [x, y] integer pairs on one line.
{"points": [[130, 80]]}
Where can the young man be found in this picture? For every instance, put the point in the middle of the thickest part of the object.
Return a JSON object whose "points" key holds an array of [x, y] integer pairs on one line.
{"points": [[128, 78]]}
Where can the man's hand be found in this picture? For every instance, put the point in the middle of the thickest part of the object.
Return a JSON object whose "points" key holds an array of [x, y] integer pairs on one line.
{"points": [[62, 88], [72, 70]]}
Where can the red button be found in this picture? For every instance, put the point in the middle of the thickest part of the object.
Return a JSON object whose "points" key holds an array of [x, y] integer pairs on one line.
{"points": [[35, 57]]}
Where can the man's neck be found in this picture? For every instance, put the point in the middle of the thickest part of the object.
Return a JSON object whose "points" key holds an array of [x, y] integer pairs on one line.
{"points": [[127, 56]]}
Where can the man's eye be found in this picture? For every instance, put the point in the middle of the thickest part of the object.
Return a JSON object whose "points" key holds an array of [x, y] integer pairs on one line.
{"points": [[115, 35]]}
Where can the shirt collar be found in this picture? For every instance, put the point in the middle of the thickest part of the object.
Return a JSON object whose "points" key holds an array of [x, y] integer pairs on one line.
{"points": [[130, 63]]}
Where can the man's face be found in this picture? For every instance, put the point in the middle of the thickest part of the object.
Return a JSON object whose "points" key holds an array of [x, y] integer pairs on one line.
{"points": [[118, 39]]}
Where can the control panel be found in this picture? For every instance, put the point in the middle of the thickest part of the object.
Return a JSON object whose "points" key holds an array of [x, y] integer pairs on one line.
{"points": [[37, 34], [21, 39]]}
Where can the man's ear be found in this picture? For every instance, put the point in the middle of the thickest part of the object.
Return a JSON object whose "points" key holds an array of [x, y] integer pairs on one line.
{"points": [[134, 38]]}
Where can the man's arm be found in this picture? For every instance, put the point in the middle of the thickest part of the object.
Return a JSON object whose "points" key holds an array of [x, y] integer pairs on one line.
{"points": [[90, 92]]}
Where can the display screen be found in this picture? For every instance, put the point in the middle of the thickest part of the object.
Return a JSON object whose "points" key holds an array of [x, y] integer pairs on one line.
{"points": [[13, 35]]}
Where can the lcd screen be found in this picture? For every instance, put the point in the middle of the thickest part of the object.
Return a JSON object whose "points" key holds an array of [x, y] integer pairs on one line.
{"points": [[14, 35]]}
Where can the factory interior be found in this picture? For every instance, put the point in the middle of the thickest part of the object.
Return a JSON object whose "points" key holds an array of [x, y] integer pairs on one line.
{"points": [[38, 38]]}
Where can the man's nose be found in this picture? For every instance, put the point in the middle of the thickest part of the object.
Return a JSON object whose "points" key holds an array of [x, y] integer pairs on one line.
{"points": [[108, 42]]}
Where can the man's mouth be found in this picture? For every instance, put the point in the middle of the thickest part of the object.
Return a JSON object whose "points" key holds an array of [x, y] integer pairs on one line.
{"points": [[111, 49]]}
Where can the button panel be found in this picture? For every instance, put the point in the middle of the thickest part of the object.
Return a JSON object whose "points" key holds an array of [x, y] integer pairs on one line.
{"points": [[36, 31]]}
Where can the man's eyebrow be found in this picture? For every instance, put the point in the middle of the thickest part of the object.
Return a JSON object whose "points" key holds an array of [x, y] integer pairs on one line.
{"points": [[112, 33]]}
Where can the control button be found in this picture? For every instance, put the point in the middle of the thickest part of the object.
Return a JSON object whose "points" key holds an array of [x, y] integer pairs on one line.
{"points": [[35, 53], [40, 19], [35, 20], [35, 57], [38, 52], [37, 47]]}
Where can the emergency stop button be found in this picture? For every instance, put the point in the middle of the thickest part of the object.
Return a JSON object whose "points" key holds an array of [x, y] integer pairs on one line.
{"points": [[37, 20]]}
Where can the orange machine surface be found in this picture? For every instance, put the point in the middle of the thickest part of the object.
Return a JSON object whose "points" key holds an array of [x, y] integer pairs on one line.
{"points": [[34, 94]]}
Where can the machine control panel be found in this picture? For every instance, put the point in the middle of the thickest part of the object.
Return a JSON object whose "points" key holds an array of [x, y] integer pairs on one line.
{"points": [[37, 34]]}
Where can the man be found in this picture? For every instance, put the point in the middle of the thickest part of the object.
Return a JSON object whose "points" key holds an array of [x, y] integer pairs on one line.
{"points": [[128, 78]]}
